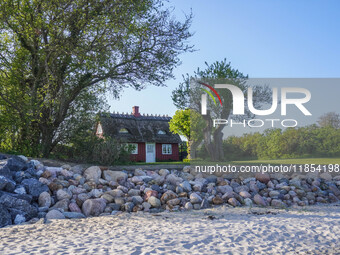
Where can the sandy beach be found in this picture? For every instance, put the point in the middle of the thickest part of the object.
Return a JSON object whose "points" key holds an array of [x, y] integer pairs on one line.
{"points": [[221, 230]]}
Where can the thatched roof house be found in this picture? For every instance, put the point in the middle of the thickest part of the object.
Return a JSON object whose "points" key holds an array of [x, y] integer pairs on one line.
{"points": [[150, 134]]}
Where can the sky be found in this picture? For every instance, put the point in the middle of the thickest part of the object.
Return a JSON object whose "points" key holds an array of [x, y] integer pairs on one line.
{"points": [[262, 38]]}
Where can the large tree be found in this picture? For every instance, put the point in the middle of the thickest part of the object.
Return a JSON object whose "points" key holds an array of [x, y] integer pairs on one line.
{"points": [[56, 53], [188, 94]]}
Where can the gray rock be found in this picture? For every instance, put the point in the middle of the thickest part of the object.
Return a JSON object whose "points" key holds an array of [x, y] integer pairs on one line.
{"points": [[73, 215], [93, 207], [19, 219], [174, 202], [259, 200], [278, 203], [334, 190], [262, 177], [5, 217], [137, 200], [62, 194], [232, 201], [245, 194], [128, 207], [163, 172], [54, 214], [20, 190], [7, 184], [248, 202], [195, 198], [34, 187], [205, 203], [154, 202], [146, 206], [186, 186], [274, 194], [188, 206], [77, 169], [139, 172], [62, 204], [45, 199], [5, 171], [16, 163], [93, 173], [224, 189], [117, 176]]}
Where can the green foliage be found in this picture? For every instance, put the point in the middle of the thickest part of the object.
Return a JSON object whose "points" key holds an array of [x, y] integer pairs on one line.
{"points": [[180, 123], [96, 150], [291, 143], [189, 124]]}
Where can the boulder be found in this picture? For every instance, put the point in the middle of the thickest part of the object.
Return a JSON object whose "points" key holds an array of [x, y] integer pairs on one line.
{"points": [[16, 163], [195, 198], [19, 219], [73, 215], [45, 199], [117, 176], [154, 202], [259, 200], [62, 194], [74, 207], [34, 187], [224, 189], [5, 217], [186, 186], [93, 173], [262, 177], [93, 207], [7, 184], [5, 171], [217, 200], [168, 195], [54, 214], [62, 204]]}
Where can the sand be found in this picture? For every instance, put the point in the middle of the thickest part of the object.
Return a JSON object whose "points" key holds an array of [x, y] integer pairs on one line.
{"points": [[226, 230]]}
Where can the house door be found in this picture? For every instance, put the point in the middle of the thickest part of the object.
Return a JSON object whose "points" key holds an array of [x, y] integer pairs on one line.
{"points": [[150, 152]]}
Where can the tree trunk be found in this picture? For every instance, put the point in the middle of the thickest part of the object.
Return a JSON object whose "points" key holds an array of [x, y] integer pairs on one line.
{"points": [[47, 141]]}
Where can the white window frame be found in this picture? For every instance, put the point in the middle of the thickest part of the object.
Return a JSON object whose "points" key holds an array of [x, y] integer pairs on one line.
{"points": [[135, 151], [161, 132], [167, 149]]}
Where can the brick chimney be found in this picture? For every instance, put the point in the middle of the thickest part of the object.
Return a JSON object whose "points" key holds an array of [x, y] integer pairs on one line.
{"points": [[135, 111]]}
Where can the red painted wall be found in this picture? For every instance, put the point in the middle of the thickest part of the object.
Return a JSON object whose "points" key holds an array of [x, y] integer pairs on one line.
{"points": [[141, 153], [174, 156], [141, 157]]}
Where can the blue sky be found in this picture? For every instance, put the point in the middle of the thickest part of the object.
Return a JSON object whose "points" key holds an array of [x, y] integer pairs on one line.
{"points": [[262, 38]]}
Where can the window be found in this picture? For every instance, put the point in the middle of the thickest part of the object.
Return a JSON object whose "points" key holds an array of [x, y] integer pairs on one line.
{"points": [[161, 132], [135, 148], [123, 131], [166, 149]]}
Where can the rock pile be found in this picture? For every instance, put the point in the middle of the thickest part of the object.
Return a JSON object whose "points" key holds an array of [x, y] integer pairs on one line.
{"points": [[20, 190], [75, 192]]}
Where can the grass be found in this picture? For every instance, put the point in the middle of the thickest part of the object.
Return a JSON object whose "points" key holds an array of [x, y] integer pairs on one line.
{"points": [[319, 161]]}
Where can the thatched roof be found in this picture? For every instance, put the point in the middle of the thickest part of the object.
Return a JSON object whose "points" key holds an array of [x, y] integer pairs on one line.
{"points": [[140, 129]]}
